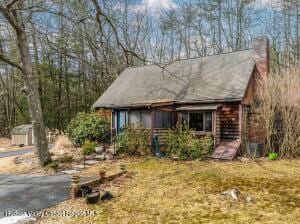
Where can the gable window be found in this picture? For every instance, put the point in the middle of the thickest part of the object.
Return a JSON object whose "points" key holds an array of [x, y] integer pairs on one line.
{"points": [[198, 121]]}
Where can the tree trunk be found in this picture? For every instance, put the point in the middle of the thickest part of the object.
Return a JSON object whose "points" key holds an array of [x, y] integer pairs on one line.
{"points": [[34, 104]]}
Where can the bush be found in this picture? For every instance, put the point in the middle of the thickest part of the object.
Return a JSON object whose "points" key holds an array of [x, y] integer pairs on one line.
{"points": [[280, 112], [132, 141], [87, 126], [65, 159], [273, 156], [183, 144], [88, 148]]}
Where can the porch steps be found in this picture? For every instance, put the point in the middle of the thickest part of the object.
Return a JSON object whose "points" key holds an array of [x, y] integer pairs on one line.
{"points": [[226, 150]]}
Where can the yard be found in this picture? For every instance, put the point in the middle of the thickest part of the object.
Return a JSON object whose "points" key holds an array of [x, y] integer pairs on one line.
{"points": [[164, 191]]}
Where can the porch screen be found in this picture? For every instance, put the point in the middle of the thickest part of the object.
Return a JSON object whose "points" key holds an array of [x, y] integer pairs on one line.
{"points": [[140, 118], [163, 119]]}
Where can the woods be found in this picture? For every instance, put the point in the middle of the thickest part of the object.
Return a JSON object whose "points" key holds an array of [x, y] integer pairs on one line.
{"points": [[77, 48]]}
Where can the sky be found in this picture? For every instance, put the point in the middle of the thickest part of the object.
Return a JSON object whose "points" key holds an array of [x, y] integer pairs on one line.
{"points": [[168, 4]]}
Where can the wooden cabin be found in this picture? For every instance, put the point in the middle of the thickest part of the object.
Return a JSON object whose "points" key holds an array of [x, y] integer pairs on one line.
{"points": [[212, 95]]}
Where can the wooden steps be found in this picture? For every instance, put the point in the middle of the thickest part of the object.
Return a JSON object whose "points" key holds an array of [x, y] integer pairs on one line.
{"points": [[226, 150]]}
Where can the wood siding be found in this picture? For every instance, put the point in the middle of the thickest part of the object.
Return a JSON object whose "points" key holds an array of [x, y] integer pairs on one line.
{"points": [[228, 123]]}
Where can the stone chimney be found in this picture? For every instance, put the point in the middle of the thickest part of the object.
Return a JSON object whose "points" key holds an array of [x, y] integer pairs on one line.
{"points": [[261, 55]]}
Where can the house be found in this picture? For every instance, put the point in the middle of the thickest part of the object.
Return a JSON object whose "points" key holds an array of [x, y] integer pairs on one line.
{"points": [[23, 135], [213, 95]]}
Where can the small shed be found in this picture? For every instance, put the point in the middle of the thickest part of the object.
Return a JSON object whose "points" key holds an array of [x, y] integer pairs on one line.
{"points": [[23, 135]]}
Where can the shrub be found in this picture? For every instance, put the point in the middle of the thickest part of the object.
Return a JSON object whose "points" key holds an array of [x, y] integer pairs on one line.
{"points": [[62, 142], [132, 141], [88, 148], [54, 166], [273, 156], [65, 159], [280, 112], [87, 126], [182, 143]]}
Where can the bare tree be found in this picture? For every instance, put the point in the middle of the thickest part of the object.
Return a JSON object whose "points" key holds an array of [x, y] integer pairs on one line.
{"points": [[13, 14]]}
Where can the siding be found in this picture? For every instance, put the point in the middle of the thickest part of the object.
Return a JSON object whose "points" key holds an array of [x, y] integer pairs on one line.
{"points": [[228, 121]]}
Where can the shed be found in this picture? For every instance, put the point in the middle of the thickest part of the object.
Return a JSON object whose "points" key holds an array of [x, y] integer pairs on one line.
{"points": [[23, 135]]}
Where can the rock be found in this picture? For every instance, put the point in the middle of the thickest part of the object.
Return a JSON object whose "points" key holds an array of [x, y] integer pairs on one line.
{"points": [[234, 193], [70, 172], [100, 157], [80, 167], [249, 199], [91, 162], [243, 159]]}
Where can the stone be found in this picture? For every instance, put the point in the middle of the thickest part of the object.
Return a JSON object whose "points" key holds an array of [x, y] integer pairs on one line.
{"points": [[70, 172], [233, 193], [80, 167], [111, 150], [249, 199], [91, 162], [100, 157]]}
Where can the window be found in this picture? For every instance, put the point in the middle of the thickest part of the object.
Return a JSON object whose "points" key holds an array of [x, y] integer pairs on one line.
{"points": [[163, 119], [140, 117], [198, 121]]}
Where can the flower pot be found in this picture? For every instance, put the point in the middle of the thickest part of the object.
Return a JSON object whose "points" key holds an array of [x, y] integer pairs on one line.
{"points": [[92, 198], [102, 174], [99, 149], [122, 167], [85, 190]]}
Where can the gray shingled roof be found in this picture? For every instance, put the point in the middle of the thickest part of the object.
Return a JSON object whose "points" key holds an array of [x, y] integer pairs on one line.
{"points": [[22, 129], [215, 78]]}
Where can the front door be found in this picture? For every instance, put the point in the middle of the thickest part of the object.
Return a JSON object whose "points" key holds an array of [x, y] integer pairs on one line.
{"points": [[121, 120]]}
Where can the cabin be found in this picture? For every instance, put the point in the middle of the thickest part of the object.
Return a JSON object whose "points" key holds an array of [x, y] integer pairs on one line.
{"points": [[212, 95]]}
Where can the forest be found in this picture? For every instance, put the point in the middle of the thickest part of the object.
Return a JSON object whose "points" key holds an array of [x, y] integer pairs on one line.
{"points": [[77, 48]]}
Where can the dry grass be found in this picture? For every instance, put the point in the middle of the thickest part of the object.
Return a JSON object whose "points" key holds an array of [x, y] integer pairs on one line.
{"points": [[5, 145], [62, 144], [163, 191], [280, 111]]}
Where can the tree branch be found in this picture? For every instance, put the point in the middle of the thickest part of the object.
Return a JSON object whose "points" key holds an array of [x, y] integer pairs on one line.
{"points": [[10, 62]]}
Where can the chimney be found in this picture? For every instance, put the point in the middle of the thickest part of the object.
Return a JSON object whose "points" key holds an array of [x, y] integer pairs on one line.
{"points": [[261, 55]]}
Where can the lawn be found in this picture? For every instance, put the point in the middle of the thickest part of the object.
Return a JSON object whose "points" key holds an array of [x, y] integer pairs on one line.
{"points": [[164, 191]]}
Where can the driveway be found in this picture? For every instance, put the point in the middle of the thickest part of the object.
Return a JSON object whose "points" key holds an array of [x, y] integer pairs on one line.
{"points": [[20, 152], [32, 193], [15, 152]]}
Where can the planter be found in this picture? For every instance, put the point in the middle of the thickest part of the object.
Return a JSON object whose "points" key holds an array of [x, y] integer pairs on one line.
{"points": [[92, 198], [122, 167], [85, 190], [102, 174], [255, 149], [99, 149], [107, 196]]}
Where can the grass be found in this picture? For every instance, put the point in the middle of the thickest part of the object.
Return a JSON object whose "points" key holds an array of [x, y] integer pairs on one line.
{"points": [[163, 191]]}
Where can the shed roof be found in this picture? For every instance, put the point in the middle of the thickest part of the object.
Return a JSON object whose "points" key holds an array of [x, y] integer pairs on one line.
{"points": [[216, 78], [22, 129]]}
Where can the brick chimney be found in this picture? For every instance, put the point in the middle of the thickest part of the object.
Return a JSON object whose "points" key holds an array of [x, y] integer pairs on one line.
{"points": [[261, 55]]}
